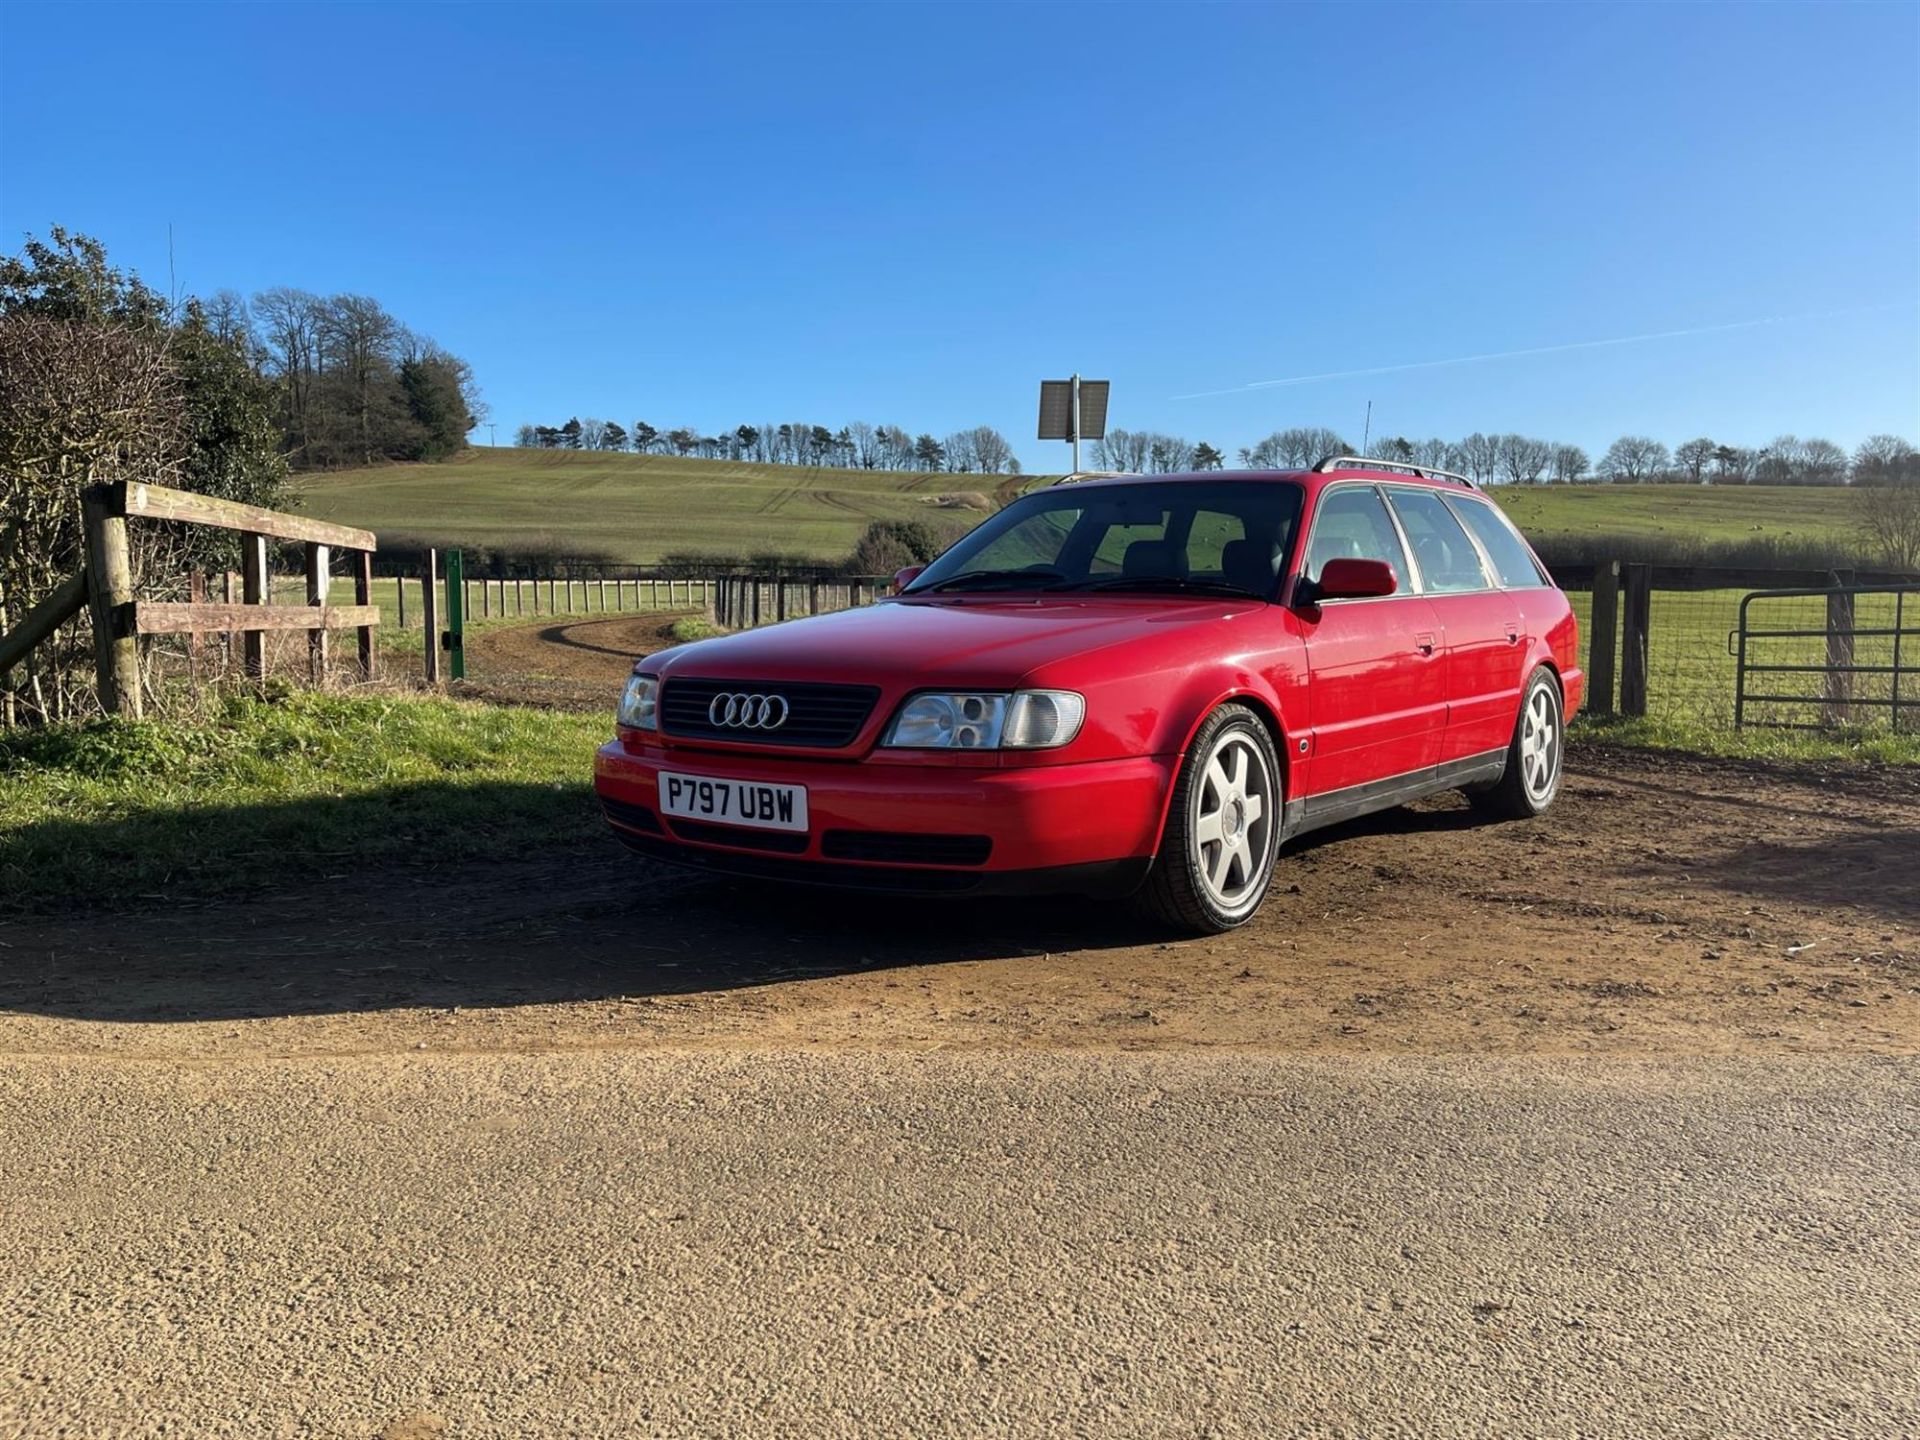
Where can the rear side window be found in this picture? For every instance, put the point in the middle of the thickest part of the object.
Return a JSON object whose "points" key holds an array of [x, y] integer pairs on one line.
{"points": [[1353, 524], [1511, 559], [1447, 560]]}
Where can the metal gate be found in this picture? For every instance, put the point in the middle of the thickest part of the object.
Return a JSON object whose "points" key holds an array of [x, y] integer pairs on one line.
{"points": [[1819, 659]]}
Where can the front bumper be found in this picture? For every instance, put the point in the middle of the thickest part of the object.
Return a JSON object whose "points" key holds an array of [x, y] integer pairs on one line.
{"points": [[1027, 829]]}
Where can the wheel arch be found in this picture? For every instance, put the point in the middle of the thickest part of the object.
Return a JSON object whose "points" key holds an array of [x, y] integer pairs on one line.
{"points": [[1265, 709]]}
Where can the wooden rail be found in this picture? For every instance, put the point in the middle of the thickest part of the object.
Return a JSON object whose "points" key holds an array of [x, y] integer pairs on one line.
{"points": [[119, 620]]}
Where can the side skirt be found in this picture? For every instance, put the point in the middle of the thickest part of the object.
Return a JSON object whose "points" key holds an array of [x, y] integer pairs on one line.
{"points": [[1315, 811]]}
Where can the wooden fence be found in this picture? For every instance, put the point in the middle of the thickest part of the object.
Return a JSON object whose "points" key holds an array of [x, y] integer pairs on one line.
{"points": [[120, 618]]}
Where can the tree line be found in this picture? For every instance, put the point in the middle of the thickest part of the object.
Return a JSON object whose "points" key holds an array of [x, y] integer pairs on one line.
{"points": [[1512, 459], [859, 446]]}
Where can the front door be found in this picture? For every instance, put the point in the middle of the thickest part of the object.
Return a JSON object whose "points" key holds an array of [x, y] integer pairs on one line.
{"points": [[1377, 689]]}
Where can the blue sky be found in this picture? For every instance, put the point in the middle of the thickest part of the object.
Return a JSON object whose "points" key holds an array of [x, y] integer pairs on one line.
{"points": [[912, 213]]}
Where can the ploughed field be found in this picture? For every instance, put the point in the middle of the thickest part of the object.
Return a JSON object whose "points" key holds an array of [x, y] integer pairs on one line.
{"points": [[1666, 905]]}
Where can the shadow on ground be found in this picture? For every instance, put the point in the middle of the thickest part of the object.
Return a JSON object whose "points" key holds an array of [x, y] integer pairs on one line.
{"points": [[576, 919]]}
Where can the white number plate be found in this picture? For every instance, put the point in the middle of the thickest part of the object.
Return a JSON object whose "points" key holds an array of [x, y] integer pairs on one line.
{"points": [[753, 803]]}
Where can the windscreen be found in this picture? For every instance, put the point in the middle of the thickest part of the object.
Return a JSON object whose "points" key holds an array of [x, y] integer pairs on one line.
{"points": [[1222, 537]]}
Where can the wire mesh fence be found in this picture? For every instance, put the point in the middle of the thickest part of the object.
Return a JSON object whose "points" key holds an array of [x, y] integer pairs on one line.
{"points": [[1821, 652]]}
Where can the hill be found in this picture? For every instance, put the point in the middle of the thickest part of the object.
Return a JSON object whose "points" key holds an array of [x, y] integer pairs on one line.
{"points": [[635, 508], [630, 508]]}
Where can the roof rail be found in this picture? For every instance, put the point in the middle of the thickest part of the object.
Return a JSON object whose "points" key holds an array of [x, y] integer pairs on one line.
{"points": [[1069, 478], [1398, 467]]}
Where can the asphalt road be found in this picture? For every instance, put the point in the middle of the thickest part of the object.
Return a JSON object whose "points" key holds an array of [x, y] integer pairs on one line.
{"points": [[708, 1245]]}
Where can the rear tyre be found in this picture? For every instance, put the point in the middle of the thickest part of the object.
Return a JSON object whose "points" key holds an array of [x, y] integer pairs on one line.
{"points": [[1534, 756], [1223, 828]]}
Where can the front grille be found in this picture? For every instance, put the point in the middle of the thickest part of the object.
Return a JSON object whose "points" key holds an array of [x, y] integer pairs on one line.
{"points": [[779, 842], [906, 849], [637, 817], [825, 717]]}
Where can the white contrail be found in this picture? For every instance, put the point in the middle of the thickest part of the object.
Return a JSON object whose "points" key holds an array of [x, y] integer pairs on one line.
{"points": [[1534, 350]]}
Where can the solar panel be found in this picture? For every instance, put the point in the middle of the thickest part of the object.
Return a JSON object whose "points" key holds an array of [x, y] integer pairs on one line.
{"points": [[1056, 409]]}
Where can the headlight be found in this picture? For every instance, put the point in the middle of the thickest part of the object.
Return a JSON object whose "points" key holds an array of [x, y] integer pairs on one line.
{"points": [[638, 703], [1024, 720]]}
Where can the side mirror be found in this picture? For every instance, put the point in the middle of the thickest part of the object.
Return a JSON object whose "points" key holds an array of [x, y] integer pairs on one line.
{"points": [[904, 578], [1347, 579]]}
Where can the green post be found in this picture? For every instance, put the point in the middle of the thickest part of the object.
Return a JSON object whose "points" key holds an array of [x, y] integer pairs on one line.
{"points": [[456, 617]]}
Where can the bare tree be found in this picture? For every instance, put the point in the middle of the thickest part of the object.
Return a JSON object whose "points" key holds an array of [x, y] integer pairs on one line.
{"points": [[1479, 456], [1169, 454], [1889, 516], [1124, 450], [1633, 460], [1822, 463], [1522, 460], [1433, 454], [1569, 463], [1732, 465], [1693, 459], [1886, 460], [1778, 463], [1296, 448], [992, 455]]}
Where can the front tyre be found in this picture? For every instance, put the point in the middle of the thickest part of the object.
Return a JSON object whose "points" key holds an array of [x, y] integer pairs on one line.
{"points": [[1223, 828], [1534, 756]]}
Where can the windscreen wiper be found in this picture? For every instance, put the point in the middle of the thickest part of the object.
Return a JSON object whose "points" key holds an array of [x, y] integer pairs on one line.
{"points": [[1175, 583], [1039, 579]]}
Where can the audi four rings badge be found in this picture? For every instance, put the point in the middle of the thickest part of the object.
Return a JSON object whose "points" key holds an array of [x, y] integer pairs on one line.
{"points": [[748, 712]]}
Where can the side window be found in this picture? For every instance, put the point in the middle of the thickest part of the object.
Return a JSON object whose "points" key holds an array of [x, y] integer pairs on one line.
{"points": [[1352, 523], [1510, 557], [1448, 562]]}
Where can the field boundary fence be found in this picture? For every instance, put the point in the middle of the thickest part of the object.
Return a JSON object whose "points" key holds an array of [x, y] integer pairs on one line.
{"points": [[123, 615], [1664, 642]]}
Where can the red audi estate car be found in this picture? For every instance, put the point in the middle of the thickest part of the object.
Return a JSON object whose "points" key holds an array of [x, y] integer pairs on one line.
{"points": [[1118, 685]]}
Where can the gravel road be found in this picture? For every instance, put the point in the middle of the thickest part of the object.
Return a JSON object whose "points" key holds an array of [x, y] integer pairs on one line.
{"points": [[760, 1244]]}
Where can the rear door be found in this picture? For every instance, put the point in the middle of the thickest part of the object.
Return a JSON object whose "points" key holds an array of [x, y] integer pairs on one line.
{"points": [[1481, 626], [1377, 692]]}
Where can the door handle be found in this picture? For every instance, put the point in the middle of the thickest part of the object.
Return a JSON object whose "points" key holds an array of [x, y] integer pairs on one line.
{"points": [[1424, 644], [1513, 632]]}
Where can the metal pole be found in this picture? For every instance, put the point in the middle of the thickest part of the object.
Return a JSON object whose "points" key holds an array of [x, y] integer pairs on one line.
{"points": [[1076, 424]]}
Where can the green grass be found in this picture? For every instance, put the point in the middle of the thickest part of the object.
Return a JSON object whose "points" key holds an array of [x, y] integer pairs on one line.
{"points": [[636, 508], [628, 508], [283, 793], [1686, 513], [694, 628], [1877, 747]]}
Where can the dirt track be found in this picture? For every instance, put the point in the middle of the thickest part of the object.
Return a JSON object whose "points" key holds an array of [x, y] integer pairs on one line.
{"points": [[1667, 906]]}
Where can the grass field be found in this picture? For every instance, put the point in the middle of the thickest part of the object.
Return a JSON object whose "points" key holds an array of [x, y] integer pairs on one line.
{"points": [[1685, 512], [635, 508], [628, 508]]}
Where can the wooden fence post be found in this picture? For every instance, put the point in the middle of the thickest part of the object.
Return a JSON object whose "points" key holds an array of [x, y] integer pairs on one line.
{"points": [[400, 589], [1603, 637], [196, 647], [430, 614], [457, 606], [363, 595], [253, 591], [116, 649], [232, 637], [318, 579], [1634, 638], [1838, 706]]}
